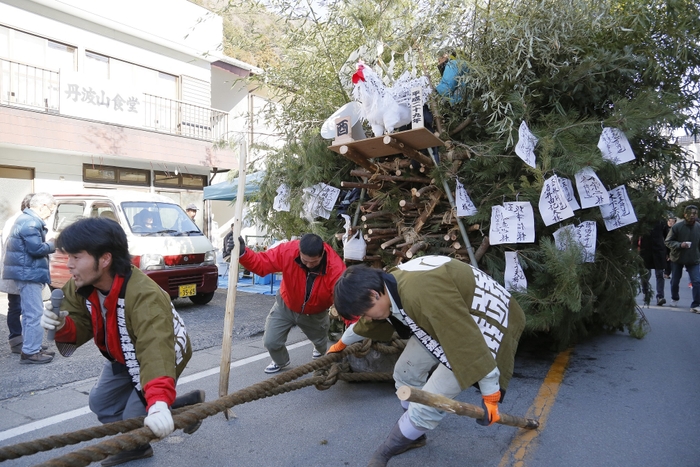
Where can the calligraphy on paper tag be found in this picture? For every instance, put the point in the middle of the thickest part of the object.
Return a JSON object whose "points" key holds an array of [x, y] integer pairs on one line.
{"points": [[514, 276], [591, 191], [583, 236], [525, 149], [319, 200], [553, 205], [619, 212], [281, 201], [614, 146], [512, 223], [417, 108], [465, 207], [568, 190]]}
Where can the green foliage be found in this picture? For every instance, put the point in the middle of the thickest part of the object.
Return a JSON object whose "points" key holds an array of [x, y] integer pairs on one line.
{"points": [[567, 68]]}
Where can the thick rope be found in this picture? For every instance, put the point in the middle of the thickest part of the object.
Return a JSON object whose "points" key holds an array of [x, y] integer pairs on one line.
{"points": [[327, 370]]}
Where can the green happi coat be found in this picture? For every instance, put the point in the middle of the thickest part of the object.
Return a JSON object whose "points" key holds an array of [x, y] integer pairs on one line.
{"points": [[469, 314]]}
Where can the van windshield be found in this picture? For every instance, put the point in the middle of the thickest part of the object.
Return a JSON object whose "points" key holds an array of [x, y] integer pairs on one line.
{"points": [[158, 219]]}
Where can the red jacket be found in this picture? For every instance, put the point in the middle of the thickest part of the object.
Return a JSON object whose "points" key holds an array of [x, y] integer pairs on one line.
{"points": [[283, 258]]}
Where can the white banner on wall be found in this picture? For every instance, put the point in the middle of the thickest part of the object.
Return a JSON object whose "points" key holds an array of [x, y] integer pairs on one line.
{"points": [[103, 100]]}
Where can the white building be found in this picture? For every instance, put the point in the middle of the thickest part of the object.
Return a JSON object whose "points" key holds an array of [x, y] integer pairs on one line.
{"points": [[692, 144], [133, 94]]}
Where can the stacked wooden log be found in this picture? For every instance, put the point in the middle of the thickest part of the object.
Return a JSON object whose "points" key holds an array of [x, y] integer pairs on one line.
{"points": [[405, 213]]}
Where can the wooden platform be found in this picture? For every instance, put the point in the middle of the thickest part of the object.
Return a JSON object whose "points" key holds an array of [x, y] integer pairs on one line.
{"points": [[417, 139]]}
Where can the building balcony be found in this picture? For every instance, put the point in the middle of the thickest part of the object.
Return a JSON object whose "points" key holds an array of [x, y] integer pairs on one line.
{"points": [[43, 90]]}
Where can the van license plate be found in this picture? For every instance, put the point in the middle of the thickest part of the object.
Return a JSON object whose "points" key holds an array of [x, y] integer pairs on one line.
{"points": [[188, 290]]}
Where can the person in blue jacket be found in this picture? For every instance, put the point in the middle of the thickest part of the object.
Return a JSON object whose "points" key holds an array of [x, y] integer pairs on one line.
{"points": [[451, 68], [27, 262]]}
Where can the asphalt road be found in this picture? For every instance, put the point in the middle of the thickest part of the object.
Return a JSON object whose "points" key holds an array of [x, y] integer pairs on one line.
{"points": [[621, 401]]}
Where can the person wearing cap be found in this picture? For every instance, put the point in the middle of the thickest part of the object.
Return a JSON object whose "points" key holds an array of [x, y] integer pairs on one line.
{"points": [[191, 210]]}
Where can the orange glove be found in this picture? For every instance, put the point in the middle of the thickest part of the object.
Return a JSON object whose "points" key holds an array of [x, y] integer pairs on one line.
{"points": [[490, 405], [337, 347]]}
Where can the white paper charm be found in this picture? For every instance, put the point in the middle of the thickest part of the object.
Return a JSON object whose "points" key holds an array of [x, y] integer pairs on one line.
{"points": [[568, 190], [553, 205], [619, 212], [319, 200], [465, 207], [614, 146], [584, 235], [525, 149], [512, 223], [514, 276], [591, 191], [281, 201]]}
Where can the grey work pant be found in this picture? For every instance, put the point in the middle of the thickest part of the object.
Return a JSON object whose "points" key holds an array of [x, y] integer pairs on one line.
{"points": [[281, 320], [413, 369], [113, 397]]}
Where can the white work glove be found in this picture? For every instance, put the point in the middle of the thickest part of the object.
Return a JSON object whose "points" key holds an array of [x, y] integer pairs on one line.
{"points": [[159, 420], [52, 321]]}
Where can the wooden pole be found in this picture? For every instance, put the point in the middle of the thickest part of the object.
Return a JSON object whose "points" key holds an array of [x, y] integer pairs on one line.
{"points": [[232, 281], [407, 393]]}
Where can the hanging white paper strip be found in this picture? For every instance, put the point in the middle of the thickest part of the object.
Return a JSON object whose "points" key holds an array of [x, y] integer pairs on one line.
{"points": [[614, 146], [568, 190], [319, 200], [512, 223], [591, 190], [465, 207], [584, 235], [525, 148], [514, 276], [619, 212], [281, 201], [553, 205]]}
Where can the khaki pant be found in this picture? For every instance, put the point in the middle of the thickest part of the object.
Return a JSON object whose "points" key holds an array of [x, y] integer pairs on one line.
{"points": [[281, 320]]}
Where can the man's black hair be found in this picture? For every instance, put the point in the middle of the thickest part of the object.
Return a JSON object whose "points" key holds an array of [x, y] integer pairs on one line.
{"points": [[351, 295], [311, 245], [97, 236]]}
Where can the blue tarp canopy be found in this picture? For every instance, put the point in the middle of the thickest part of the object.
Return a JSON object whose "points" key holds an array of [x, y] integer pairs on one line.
{"points": [[227, 191]]}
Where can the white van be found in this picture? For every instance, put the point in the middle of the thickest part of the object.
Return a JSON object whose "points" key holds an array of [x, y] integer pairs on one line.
{"points": [[163, 241]]}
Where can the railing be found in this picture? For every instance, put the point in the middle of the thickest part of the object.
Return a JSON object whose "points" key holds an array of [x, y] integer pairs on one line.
{"points": [[28, 86], [180, 118]]}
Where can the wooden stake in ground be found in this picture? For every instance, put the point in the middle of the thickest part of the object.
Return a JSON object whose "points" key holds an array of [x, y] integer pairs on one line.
{"points": [[232, 281], [407, 393]]}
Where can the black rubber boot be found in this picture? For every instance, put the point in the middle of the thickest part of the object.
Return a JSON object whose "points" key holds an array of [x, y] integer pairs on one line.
{"points": [[395, 443], [191, 398], [141, 452]]}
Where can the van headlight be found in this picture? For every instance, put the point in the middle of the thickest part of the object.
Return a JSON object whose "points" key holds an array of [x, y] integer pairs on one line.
{"points": [[151, 262], [210, 257]]}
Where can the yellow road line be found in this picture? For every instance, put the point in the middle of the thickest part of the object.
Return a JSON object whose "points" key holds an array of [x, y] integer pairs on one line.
{"points": [[524, 441]]}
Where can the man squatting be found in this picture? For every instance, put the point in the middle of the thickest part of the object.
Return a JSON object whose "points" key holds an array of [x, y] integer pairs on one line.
{"points": [[461, 323]]}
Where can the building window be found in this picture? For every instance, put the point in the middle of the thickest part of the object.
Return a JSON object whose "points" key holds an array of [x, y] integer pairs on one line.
{"points": [[116, 175], [171, 180], [96, 65], [37, 51]]}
